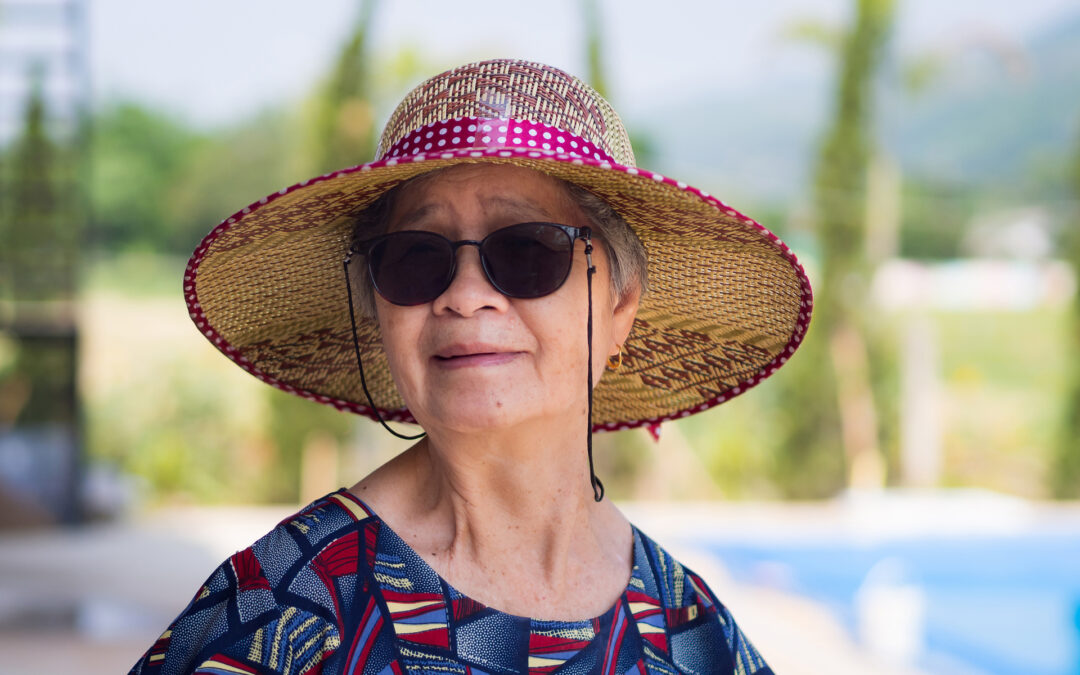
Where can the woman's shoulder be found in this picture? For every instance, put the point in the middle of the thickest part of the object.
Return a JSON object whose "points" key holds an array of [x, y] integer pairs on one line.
{"points": [[278, 598], [319, 536], [663, 577], [678, 613]]}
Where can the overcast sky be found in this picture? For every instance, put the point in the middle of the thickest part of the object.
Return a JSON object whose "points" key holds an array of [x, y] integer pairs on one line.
{"points": [[214, 61]]}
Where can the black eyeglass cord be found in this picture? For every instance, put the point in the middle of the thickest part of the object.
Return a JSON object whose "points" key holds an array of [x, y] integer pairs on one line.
{"points": [[597, 486], [359, 361]]}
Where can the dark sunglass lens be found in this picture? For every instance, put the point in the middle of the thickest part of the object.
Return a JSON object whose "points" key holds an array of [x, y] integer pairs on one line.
{"points": [[410, 268], [528, 260]]}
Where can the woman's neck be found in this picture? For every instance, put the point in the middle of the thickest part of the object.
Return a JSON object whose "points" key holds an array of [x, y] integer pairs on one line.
{"points": [[488, 490], [513, 508]]}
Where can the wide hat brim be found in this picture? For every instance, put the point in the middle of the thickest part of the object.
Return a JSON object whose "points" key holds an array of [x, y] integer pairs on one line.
{"points": [[728, 302]]}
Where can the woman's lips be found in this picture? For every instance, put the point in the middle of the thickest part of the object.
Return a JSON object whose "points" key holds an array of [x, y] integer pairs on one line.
{"points": [[468, 357]]}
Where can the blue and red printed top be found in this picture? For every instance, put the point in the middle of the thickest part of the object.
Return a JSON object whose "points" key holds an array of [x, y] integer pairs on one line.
{"points": [[334, 590]]}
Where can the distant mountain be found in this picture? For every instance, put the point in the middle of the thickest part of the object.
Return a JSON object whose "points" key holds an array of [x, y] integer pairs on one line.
{"points": [[985, 121], [987, 124], [753, 144]]}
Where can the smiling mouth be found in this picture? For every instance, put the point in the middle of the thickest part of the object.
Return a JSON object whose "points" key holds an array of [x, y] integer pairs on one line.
{"points": [[463, 356], [475, 359]]}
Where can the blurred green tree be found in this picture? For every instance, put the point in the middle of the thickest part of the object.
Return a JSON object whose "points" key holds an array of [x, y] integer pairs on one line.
{"points": [[158, 184], [828, 396], [1064, 475], [344, 135], [139, 156], [626, 462], [40, 226], [345, 117], [934, 212], [38, 230], [594, 46], [229, 169]]}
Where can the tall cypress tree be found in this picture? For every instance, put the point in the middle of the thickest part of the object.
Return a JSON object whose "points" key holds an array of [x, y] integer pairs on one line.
{"points": [[1064, 477], [345, 118], [31, 226], [40, 229], [344, 134], [828, 395], [594, 54]]}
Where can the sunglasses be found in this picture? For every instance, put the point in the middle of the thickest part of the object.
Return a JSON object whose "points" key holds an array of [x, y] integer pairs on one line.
{"points": [[526, 260]]}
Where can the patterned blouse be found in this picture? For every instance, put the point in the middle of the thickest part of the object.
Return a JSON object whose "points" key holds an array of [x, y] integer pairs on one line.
{"points": [[334, 590]]}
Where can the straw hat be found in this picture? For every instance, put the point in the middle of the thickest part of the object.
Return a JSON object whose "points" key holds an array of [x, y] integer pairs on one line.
{"points": [[728, 302]]}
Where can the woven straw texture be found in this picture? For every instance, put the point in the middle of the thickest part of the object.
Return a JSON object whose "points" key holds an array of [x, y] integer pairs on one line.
{"points": [[512, 90], [728, 304]]}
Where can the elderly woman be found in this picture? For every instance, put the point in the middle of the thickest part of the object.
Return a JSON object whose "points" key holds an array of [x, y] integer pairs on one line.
{"points": [[478, 279]]}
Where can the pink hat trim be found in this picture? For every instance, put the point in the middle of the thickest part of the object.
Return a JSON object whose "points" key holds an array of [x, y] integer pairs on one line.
{"points": [[463, 133]]}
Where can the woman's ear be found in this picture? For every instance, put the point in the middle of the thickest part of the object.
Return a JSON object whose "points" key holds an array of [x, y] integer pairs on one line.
{"points": [[623, 317]]}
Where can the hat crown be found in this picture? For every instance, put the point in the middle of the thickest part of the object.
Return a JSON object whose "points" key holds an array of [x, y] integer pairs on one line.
{"points": [[506, 89]]}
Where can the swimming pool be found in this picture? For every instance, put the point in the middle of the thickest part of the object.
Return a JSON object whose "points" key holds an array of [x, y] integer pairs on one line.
{"points": [[1000, 604]]}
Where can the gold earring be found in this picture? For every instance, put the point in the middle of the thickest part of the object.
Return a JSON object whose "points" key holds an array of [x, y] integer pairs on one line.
{"points": [[615, 360]]}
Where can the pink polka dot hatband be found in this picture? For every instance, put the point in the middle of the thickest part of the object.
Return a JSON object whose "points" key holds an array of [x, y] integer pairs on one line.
{"points": [[728, 303]]}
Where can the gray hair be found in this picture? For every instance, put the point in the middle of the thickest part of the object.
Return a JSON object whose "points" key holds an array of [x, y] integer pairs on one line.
{"points": [[627, 259]]}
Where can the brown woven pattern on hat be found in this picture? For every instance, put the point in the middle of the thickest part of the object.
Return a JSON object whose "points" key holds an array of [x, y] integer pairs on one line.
{"points": [[726, 300], [514, 90]]}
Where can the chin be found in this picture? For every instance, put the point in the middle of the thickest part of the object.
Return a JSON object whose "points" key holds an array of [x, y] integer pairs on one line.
{"points": [[479, 413]]}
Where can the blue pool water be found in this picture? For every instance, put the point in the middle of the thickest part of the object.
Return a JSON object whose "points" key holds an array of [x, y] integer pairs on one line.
{"points": [[988, 604]]}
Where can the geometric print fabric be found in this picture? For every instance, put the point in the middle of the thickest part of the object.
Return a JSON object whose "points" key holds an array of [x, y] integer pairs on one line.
{"points": [[333, 590]]}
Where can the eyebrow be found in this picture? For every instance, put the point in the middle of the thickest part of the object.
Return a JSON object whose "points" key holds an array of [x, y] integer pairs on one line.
{"points": [[417, 214], [513, 205], [521, 205]]}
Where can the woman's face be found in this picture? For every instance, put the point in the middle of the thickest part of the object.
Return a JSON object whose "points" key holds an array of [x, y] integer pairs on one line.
{"points": [[474, 359]]}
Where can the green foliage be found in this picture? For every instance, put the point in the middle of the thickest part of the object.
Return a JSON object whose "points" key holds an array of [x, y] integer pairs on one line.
{"points": [[231, 169], [810, 461], [1004, 386], [39, 228], [883, 355], [45, 366], [1065, 473], [737, 447], [594, 47], [39, 223], [645, 148], [139, 155], [933, 216], [294, 422], [134, 275], [160, 186], [164, 406], [813, 32], [164, 424], [840, 178], [345, 118], [920, 73]]}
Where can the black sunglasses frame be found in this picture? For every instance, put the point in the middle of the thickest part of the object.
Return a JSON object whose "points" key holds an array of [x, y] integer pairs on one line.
{"points": [[365, 248]]}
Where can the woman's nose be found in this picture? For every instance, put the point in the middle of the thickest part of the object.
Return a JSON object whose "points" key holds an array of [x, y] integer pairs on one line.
{"points": [[469, 291]]}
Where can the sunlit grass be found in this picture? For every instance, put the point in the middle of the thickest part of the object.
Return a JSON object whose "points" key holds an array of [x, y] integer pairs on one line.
{"points": [[139, 274]]}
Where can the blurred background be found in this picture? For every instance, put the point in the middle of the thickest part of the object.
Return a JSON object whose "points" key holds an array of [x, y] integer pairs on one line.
{"points": [[901, 498]]}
